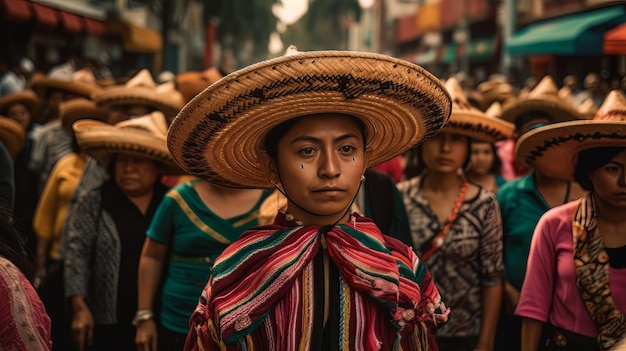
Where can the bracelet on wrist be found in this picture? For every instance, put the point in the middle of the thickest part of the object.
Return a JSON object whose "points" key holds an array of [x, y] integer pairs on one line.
{"points": [[142, 316]]}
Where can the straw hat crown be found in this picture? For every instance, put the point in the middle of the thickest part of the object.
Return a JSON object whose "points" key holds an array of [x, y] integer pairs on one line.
{"points": [[192, 83], [77, 109], [495, 110], [588, 108], [470, 121], [143, 136], [543, 98], [141, 90], [81, 83], [553, 149]]}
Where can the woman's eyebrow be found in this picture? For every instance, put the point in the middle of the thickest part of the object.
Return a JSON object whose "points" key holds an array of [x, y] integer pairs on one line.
{"points": [[318, 140]]}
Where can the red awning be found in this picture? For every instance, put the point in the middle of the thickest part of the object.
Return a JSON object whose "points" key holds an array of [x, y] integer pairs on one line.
{"points": [[93, 26], [16, 9], [71, 22], [615, 41], [46, 15]]}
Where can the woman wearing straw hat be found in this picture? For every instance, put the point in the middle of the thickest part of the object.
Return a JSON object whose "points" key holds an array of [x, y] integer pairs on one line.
{"points": [[309, 124], [525, 199], [456, 226], [106, 233], [576, 275]]}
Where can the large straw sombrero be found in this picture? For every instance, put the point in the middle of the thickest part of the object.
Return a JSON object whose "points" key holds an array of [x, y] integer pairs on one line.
{"points": [[82, 83], [219, 135], [472, 122], [12, 135], [192, 83], [77, 109], [141, 90], [496, 90], [543, 98], [142, 136], [26, 97], [553, 149]]}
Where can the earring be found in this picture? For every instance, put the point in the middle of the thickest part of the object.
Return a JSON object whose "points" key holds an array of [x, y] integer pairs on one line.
{"points": [[362, 177]]}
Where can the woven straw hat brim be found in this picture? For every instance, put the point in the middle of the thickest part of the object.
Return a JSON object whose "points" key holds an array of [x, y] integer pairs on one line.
{"points": [[478, 126], [553, 149], [139, 96], [555, 108], [12, 135], [219, 135], [26, 97], [101, 141], [42, 84]]}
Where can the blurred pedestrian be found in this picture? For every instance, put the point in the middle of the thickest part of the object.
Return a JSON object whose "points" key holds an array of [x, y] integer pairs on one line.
{"points": [[106, 233], [320, 277], [456, 226], [575, 285]]}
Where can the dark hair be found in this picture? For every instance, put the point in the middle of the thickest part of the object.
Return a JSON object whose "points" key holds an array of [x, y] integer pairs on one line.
{"points": [[275, 135], [12, 243], [590, 160], [496, 165]]}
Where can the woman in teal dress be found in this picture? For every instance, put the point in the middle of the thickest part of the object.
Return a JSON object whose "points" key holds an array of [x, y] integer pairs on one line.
{"points": [[195, 222]]}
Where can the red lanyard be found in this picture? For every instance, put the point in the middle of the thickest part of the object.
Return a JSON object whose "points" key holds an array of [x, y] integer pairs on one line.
{"points": [[437, 241]]}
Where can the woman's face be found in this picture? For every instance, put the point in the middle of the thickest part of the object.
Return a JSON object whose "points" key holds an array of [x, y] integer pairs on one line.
{"points": [[134, 175], [19, 113], [482, 157], [319, 165], [445, 153], [609, 182]]}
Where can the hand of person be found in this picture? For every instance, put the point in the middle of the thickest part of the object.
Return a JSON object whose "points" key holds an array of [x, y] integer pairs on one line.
{"points": [[146, 337], [82, 328], [511, 298], [39, 281]]}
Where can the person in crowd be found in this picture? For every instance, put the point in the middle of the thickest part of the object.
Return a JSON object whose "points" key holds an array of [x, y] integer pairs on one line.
{"points": [[195, 222], [49, 219], [24, 324], [12, 78], [524, 200], [456, 227], [12, 137], [576, 276], [593, 89], [485, 164], [106, 233], [22, 107], [321, 276]]}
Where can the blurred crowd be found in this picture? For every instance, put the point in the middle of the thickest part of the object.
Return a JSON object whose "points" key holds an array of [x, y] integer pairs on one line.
{"points": [[119, 242]]}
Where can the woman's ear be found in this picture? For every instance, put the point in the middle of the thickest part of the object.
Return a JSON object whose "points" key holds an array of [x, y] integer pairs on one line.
{"points": [[268, 166]]}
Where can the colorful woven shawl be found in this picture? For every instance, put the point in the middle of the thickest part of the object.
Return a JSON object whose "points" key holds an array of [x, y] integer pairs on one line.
{"points": [[268, 272], [592, 276]]}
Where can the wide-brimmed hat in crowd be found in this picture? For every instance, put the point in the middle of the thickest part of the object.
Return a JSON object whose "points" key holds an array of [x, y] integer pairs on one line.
{"points": [[553, 149], [219, 135], [543, 98], [142, 136], [472, 122], [26, 97], [12, 135], [141, 90], [82, 83], [192, 83], [77, 109], [496, 89]]}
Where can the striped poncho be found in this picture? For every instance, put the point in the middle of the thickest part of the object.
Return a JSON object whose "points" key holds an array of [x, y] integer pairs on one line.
{"points": [[267, 292]]}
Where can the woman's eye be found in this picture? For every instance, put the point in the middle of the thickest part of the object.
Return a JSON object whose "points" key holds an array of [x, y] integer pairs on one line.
{"points": [[307, 151], [347, 148], [612, 169]]}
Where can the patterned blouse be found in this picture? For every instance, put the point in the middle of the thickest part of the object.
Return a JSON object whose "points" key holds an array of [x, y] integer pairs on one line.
{"points": [[469, 259]]}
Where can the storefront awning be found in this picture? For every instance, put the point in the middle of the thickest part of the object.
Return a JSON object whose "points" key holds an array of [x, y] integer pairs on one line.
{"points": [[578, 34], [71, 22], [615, 41], [16, 9], [46, 15], [134, 38]]}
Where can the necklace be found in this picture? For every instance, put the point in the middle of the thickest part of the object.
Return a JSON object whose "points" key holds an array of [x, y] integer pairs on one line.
{"points": [[436, 242]]}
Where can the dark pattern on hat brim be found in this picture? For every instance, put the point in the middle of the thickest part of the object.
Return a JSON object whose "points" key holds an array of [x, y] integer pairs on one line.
{"points": [[477, 131], [553, 149], [215, 144], [131, 96]]}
